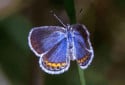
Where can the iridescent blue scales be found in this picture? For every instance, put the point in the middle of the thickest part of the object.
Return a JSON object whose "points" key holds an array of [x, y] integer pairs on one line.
{"points": [[56, 46]]}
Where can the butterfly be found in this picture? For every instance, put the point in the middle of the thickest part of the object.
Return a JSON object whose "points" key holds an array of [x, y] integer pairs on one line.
{"points": [[57, 45]]}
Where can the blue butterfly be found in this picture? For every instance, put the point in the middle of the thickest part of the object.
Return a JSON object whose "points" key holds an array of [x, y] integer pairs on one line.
{"points": [[56, 46]]}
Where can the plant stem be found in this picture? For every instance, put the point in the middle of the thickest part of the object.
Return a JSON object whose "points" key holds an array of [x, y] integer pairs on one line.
{"points": [[70, 9], [81, 76]]}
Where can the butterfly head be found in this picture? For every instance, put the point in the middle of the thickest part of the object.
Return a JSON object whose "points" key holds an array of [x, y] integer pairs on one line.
{"points": [[68, 27]]}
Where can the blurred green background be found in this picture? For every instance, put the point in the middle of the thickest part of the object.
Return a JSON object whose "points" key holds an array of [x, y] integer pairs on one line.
{"points": [[105, 19]]}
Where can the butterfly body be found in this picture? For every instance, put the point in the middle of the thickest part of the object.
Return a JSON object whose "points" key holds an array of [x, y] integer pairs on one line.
{"points": [[56, 46]]}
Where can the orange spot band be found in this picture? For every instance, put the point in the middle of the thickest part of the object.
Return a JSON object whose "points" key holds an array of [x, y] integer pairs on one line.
{"points": [[54, 65], [83, 59]]}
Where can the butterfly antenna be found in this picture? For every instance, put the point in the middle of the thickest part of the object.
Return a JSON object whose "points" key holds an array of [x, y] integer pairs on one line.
{"points": [[80, 12], [58, 18]]}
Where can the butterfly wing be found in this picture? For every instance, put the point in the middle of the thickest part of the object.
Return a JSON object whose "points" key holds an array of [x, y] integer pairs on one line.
{"points": [[56, 61], [49, 43], [83, 48], [42, 39]]}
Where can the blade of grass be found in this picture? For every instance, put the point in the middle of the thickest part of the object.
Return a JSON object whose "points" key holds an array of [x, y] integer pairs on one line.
{"points": [[70, 9], [81, 76]]}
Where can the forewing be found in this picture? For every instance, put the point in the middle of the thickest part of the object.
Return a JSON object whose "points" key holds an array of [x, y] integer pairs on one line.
{"points": [[42, 39], [83, 48], [56, 61]]}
